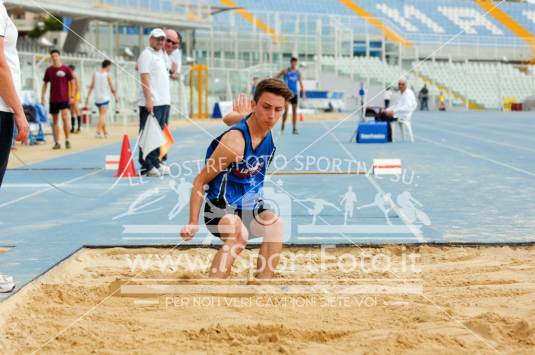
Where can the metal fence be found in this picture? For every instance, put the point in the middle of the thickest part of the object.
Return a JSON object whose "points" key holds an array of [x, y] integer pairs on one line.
{"points": [[124, 75]]}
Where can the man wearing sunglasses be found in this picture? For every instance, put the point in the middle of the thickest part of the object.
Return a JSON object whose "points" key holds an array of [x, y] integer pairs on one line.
{"points": [[173, 60], [172, 45], [155, 96]]}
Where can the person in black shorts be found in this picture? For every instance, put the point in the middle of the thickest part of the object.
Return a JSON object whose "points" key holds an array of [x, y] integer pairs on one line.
{"points": [[233, 179], [62, 95], [291, 77], [214, 210]]}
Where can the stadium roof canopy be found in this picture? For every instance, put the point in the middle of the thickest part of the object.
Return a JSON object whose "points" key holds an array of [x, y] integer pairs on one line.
{"points": [[176, 13]]}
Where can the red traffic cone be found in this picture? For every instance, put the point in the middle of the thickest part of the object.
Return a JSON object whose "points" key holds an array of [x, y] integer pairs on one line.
{"points": [[126, 164], [301, 117]]}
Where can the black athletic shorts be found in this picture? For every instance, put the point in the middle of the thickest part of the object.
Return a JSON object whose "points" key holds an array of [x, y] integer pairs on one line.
{"points": [[55, 107], [294, 100], [214, 210]]}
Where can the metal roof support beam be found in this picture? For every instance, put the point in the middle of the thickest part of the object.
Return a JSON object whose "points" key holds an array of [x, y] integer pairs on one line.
{"points": [[79, 28]]}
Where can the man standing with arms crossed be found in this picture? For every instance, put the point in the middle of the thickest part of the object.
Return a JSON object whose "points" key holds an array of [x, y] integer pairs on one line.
{"points": [[291, 77], [174, 65], [61, 95], [155, 96], [172, 49]]}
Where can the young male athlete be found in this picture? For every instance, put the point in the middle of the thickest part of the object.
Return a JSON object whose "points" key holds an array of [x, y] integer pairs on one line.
{"points": [[61, 95], [291, 77], [236, 164]]}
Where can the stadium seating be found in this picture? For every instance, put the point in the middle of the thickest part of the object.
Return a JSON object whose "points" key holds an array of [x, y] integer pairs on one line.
{"points": [[417, 20], [375, 70], [485, 83], [523, 13]]}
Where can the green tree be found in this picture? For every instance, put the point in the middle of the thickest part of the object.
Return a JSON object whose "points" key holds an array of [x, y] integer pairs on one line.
{"points": [[51, 23]]}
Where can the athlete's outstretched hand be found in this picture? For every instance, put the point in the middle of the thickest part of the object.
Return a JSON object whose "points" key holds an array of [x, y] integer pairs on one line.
{"points": [[242, 104], [241, 107], [189, 231]]}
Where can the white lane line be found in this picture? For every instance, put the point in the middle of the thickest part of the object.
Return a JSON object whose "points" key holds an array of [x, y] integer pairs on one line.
{"points": [[354, 229], [146, 302], [25, 185], [41, 185], [478, 156], [396, 303], [415, 231], [484, 127], [25, 197], [477, 138]]}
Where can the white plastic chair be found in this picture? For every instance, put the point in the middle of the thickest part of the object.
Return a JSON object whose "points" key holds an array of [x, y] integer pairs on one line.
{"points": [[402, 126]]}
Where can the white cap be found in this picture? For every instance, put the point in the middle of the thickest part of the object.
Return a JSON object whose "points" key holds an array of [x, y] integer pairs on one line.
{"points": [[157, 33]]}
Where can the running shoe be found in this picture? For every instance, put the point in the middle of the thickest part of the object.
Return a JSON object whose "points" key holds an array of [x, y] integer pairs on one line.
{"points": [[153, 173], [164, 169], [6, 284]]}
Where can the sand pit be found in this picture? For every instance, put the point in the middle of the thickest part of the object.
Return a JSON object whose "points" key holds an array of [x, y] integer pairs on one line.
{"points": [[474, 300]]}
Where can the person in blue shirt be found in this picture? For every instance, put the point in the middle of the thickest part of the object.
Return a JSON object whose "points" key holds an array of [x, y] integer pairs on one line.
{"points": [[254, 83], [232, 180], [291, 77]]}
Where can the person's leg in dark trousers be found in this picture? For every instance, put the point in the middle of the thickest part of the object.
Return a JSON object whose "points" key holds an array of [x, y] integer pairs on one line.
{"points": [[143, 114], [383, 117], [160, 113], [149, 162], [6, 134], [167, 113]]}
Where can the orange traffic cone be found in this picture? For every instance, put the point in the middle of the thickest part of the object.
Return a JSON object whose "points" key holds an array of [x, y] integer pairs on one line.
{"points": [[126, 164], [301, 117]]}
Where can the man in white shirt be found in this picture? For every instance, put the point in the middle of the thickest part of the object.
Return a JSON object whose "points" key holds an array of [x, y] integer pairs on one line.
{"points": [[173, 56], [173, 42], [402, 110], [155, 96], [11, 112], [387, 96]]}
